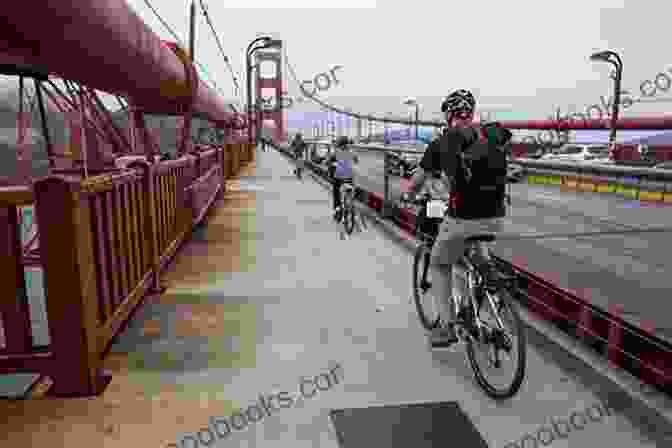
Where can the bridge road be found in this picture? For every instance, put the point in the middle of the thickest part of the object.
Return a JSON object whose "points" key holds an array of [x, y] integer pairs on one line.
{"points": [[269, 293], [628, 269]]}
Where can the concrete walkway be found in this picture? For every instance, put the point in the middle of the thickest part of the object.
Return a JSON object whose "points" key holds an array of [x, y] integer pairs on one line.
{"points": [[267, 299]]}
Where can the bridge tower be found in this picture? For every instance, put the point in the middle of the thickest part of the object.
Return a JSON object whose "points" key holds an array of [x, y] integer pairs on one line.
{"points": [[275, 83]]}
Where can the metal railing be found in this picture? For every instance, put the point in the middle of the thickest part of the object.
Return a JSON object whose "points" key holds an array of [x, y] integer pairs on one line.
{"points": [[104, 242]]}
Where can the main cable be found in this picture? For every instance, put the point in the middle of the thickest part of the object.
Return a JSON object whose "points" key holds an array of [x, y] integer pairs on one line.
{"points": [[179, 41], [219, 45]]}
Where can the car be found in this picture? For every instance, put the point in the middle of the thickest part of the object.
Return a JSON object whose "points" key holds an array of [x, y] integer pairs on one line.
{"points": [[579, 153], [403, 164], [663, 165]]}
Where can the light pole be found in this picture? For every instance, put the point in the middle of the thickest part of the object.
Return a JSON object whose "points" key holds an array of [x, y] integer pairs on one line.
{"points": [[614, 59], [414, 102], [387, 114], [267, 42]]}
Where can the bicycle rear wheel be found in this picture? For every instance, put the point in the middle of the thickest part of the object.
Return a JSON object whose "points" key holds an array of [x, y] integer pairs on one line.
{"points": [[425, 302], [498, 340]]}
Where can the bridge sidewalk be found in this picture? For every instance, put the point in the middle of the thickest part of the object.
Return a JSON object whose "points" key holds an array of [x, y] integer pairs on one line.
{"points": [[267, 294]]}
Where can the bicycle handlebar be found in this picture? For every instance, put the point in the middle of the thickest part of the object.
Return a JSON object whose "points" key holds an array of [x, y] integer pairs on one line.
{"points": [[422, 199], [418, 199]]}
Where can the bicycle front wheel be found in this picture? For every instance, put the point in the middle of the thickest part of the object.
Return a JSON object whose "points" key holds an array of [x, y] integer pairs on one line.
{"points": [[425, 301], [494, 352]]}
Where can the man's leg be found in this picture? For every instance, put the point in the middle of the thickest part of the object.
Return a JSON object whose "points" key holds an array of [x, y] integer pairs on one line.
{"points": [[482, 254], [337, 196], [446, 252]]}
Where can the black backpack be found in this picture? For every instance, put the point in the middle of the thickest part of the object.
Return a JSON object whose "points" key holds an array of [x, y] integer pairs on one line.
{"points": [[482, 166], [483, 160]]}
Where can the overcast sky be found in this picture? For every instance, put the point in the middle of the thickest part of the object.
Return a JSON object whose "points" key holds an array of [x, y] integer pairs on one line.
{"points": [[527, 57]]}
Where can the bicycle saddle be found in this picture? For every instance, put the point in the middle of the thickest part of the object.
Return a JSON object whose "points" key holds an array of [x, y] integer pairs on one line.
{"points": [[485, 237]]}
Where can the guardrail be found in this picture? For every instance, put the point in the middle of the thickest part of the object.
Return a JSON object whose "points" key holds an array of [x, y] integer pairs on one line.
{"points": [[636, 351], [639, 183], [104, 241]]}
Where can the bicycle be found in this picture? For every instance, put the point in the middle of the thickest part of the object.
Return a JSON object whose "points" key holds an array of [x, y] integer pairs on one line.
{"points": [[470, 326], [349, 214]]}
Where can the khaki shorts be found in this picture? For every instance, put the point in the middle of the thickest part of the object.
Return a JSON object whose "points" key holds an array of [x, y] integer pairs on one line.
{"points": [[451, 239]]}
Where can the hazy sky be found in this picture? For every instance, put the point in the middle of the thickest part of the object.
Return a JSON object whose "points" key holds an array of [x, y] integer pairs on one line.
{"points": [[525, 56]]}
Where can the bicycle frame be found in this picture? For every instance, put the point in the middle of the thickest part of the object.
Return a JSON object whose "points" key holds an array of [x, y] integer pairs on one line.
{"points": [[473, 276], [474, 281]]}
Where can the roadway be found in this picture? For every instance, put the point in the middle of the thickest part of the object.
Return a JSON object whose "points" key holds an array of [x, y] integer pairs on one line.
{"points": [[630, 269]]}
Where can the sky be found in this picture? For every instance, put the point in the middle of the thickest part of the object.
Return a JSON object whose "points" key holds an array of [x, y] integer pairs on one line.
{"points": [[522, 59]]}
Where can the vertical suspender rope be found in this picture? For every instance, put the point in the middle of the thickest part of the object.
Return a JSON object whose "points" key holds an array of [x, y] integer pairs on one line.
{"points": [[83, 138], [192, 87], [132, 126], [45, 127]]}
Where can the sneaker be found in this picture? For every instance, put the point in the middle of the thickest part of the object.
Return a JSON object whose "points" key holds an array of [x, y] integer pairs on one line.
{"points": [[443, 336]]}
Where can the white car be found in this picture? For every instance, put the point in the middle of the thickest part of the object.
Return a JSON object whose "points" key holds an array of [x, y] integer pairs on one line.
{"points": [[664, 166], [580, 153]]}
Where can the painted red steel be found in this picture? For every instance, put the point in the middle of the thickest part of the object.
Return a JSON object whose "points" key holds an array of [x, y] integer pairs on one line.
{"points": [[105, 45], [646, 123]]}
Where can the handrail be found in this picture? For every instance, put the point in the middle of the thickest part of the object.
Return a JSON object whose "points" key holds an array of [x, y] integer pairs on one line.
{"points": [[16, 196], [103, 243]]}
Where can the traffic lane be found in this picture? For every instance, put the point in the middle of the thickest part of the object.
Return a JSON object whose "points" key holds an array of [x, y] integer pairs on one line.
{"points": [[609, 270], [560, 212], [611, 207]]}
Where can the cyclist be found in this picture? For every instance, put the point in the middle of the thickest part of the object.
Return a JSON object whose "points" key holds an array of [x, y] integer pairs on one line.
{"points": [[299, 147], [473, 163], [341, 169]]}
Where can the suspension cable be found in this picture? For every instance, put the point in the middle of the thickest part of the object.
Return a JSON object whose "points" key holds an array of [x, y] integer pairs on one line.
{"points": [[219, 45], [179, 41], [350, 113]]}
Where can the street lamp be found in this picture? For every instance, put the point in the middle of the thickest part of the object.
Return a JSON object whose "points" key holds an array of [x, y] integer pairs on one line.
{"points": [[413, 102], [614, 59], [266, 42]]}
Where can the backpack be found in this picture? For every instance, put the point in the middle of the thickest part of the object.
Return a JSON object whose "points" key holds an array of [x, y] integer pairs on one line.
{"points": [[481, 176]]}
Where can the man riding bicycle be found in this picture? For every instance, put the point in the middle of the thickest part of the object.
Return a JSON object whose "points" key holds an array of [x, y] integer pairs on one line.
{"points": [[341, 170], [299, 148], [471, 159]]}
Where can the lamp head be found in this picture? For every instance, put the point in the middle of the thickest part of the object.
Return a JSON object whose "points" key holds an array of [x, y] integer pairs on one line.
{"points": [[604, 56], [272, 43]]}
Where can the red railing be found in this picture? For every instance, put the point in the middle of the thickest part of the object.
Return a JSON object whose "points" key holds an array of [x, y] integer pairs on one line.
{"points": [[103, 244]]}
